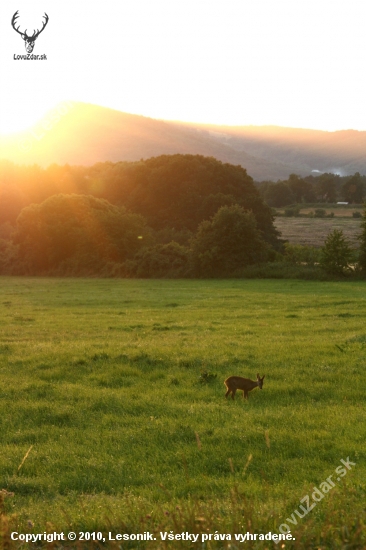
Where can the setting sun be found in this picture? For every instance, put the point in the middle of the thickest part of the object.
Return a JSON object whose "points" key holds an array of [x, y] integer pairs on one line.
{"points": [[23, 118]]}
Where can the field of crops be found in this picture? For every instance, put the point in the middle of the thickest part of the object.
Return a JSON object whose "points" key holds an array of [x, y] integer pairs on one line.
{"points": [[314, 231], [113, 416]]}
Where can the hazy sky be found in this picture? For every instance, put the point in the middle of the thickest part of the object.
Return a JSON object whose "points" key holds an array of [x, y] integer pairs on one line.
{"points": [[286, 62]]}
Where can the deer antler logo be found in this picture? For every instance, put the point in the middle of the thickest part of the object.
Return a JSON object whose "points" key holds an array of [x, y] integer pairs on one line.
{"points": [[29, 40]]}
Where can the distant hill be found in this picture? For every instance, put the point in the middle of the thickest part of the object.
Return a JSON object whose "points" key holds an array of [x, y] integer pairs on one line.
{"points": [[342, 152], [87, 134]]}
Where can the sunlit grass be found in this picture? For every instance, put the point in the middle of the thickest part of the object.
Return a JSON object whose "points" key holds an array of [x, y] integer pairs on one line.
{"points": [[102, 379]]}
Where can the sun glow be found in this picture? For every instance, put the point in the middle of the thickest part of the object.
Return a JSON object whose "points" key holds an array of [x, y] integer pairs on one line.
{"points": [[257, 62], [18, 118]]}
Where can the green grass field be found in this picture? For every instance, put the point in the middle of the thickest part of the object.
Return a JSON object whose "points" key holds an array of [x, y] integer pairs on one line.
{"points": [[100, 385]]}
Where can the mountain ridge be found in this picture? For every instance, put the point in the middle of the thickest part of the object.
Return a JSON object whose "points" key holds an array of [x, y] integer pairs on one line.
{"points": [[86, 134]]}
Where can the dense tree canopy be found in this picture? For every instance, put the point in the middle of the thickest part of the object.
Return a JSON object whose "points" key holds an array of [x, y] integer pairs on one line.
{"points": [[302, 190], [180, 191], [278, 194], [176, 191], [76, 229], [173, 215], [228, 242], [324, 188], [354, 189]]}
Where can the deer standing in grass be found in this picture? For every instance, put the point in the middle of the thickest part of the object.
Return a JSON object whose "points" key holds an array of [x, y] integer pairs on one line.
{"points": [[234, 383]]}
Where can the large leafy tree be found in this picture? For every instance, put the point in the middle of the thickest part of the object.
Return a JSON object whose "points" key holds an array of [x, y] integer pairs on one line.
{"points": [[302, 190], [279, 194], [228, 242], [326, 187], [76, 229], [180, 191], [170, 191], [354, 190]]}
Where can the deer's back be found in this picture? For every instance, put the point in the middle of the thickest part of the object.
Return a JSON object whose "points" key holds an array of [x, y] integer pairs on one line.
{"points": [[237, 382]]}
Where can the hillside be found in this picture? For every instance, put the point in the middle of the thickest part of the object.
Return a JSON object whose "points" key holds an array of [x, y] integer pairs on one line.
{"points": [[342, 152], [87, 134]]}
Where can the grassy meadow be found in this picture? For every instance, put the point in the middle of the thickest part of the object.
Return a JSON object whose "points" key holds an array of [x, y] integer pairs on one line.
{"points": [[113, 415]]}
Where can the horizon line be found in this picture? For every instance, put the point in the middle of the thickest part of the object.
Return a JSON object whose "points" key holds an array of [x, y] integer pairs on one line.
{"points": [[222, 125]]}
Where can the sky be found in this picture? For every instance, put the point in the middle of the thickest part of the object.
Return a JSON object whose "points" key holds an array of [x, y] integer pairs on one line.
{"points": [[291, 63]]}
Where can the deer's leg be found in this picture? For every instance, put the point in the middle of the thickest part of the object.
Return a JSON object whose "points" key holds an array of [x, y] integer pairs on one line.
{"points": [[245, 394], [233, 393], [228, 392]]}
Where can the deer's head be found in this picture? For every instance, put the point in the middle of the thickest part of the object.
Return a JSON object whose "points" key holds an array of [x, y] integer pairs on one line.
{"points": [[260, 380], [28, 40]]}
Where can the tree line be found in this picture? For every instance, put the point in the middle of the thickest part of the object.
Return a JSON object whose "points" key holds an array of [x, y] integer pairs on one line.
{"points": [[168, 216], [324, 188], [175, 215]]}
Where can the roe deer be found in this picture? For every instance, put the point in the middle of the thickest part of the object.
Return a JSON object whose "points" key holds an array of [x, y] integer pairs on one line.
{"points": [[234, 383]]}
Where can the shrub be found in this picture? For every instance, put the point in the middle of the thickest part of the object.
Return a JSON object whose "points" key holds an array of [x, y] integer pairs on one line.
{"points": [[356, 214], [206, 377], [283, 270], [299, 254], [161, 260], [319, 213], [292, 212], [8, 257]]}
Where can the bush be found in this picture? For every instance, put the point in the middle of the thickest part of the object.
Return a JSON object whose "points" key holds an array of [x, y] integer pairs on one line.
{"points": [[8, 258], [292, 212], [283, 270], [319, 213], [356, 214], [300, 255], [206, 377], [162, 260]]}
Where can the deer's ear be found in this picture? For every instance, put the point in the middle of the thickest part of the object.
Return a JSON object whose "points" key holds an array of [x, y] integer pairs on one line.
{"points": [[263, 376], [258, 375]]}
